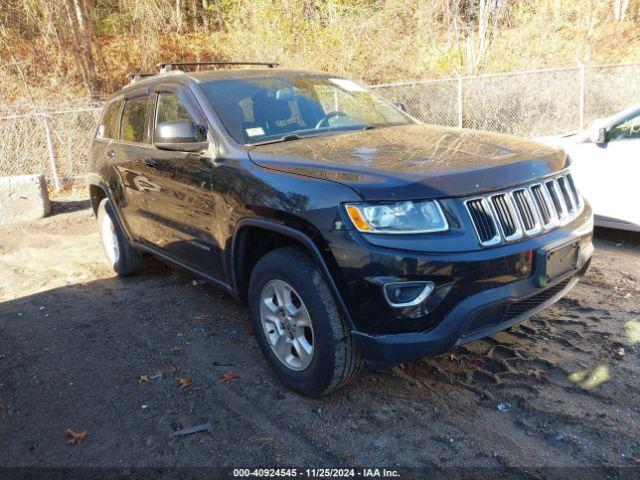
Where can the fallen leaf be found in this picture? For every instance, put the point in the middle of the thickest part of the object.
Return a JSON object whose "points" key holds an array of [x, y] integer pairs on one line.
{"points": [[350, 457], [200, 317], [248, 331], [76, 438], [177, 348], [635, 461], [143, 378], [452, 356], [228, 377], [185, 382]]}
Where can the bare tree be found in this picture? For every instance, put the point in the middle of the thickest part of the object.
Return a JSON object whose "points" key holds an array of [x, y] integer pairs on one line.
{"points": [[620, 9], [14, 60], [75, 44], [205, 15], [179, 16], [83, 40]]}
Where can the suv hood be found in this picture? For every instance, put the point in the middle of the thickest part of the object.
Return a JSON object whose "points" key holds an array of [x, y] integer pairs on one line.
{"points": [[414, 161]]}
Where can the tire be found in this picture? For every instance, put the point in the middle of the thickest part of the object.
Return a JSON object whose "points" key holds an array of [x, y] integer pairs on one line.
{"points": [[120, 254], [335, 358]]}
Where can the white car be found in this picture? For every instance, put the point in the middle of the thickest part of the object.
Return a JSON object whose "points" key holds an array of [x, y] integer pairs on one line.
{"points": [[606, 165]]}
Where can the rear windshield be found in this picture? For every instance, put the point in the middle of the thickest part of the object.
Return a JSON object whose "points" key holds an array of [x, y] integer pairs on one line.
{"points": [[256, 110]]}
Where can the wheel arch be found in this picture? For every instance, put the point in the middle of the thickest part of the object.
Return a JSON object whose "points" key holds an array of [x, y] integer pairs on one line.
{"points": [[242, 263], [98, 191]]}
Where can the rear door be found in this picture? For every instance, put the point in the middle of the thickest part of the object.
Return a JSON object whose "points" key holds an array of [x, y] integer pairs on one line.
{"points": [[181, 204], [125, 154]]}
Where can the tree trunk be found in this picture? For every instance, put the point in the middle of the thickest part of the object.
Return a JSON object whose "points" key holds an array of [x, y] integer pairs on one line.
{"points": [[75, 42], [620, 9], [205, 15], [179, 16], [85, 46], [15, 62]]}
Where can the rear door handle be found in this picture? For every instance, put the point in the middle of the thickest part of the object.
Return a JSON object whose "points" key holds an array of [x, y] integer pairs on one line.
{"points": [[111, 153], [152, 162]]}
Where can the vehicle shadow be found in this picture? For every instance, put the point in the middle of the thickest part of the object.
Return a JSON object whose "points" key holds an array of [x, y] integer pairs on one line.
{"points": [[617, 236], [69, 206]]}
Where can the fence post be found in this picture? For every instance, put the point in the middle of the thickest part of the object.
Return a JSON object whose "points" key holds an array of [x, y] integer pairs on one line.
{"points": [[581, 99], [459, 99], [52, 155]]}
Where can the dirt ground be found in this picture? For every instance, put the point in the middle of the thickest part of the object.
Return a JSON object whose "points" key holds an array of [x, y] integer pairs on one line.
{"points": [[562, 389]]}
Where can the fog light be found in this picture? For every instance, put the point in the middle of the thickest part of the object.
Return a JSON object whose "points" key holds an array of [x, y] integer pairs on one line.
{"points": [[407, 294]]}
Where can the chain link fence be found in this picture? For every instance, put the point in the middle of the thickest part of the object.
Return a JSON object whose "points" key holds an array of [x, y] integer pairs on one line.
{"points": [[530, 103], [54, 142], [49, 142]]}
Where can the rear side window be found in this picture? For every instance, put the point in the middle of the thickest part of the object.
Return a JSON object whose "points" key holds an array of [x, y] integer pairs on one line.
{"points": [[134, 118], [108, 129]]}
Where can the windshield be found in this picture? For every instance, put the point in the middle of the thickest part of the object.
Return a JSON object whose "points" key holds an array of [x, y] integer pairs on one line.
{"points": [[256, 110]]}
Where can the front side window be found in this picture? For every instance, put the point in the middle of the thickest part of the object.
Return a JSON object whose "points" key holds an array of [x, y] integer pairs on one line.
{"points": [[170, 108], [628, 129], [134, 117], [108, 128], [261, 109]]}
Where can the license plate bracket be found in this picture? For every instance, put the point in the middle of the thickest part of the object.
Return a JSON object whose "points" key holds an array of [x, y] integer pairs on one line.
{"points": [[556, 261]]}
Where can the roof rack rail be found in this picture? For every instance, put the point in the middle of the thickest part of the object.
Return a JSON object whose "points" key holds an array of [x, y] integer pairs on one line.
{"points": [[165, 67], [136, 77]]}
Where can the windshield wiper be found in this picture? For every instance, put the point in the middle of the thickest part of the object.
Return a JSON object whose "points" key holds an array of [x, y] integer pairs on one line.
{"points": [[289, 136], [285, 138]]}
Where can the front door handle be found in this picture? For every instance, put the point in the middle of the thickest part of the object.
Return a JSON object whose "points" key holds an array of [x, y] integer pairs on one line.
{"points": [[111, 153], [152, 162]]}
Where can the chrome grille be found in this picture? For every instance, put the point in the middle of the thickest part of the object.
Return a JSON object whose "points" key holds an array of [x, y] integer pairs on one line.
{"points": [[508, 216]]}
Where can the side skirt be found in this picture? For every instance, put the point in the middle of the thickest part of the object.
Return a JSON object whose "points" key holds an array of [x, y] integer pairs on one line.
{"points": [[156, 252]]}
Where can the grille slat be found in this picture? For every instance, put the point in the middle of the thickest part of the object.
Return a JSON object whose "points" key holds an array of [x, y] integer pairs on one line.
{"points": [[568, 201], [482, 219], [574, 191], [505, 216], [555, 198], [541, 203], [508, 215], [525, 209]]}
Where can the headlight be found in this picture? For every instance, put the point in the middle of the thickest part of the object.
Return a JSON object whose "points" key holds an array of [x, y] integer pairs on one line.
{"points": [[403, 217]]}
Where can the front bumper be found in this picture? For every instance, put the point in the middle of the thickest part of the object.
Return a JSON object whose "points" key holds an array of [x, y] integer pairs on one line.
{"points": [[477, 294], [476, 317]]}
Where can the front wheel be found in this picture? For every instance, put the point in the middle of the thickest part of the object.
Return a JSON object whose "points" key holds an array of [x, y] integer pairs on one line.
{"points": [[298, 326]]}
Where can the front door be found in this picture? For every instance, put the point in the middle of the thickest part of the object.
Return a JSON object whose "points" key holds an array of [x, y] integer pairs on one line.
{"points": [[180, 202], [607, 173]]}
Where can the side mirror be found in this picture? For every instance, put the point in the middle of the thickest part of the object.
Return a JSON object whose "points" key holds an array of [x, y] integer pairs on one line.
{"points": [[400, 106], [180, 136], [598, 135]]}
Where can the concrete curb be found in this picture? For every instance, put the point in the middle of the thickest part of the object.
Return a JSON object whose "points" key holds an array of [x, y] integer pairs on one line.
{"points": [[22, 198]]}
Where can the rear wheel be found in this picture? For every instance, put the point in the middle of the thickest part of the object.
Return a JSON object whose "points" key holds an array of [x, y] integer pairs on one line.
{"points": [[123, 258], [298, 326]]}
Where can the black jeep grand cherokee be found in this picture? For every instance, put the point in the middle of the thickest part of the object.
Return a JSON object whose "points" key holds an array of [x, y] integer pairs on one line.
{"points": [[353, 231]]}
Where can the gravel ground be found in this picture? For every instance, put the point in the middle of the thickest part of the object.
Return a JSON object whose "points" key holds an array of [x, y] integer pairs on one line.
{"points": [[83, 349]]}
